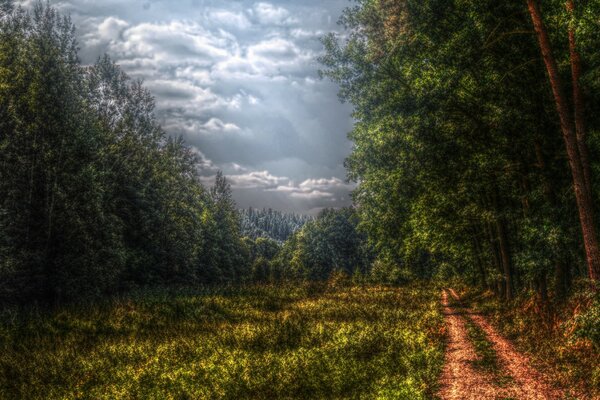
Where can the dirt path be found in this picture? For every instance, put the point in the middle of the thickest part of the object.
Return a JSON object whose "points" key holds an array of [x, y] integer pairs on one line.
{"points": [[461, 380]]}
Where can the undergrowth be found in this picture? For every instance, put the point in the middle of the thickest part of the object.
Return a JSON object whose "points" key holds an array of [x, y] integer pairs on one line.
{"points": [[259, 342]]}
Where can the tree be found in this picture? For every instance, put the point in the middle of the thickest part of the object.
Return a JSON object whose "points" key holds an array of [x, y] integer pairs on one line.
{"points": [[456, 169], [224, 244], [330, 243], [573, 131], [96, 197]]}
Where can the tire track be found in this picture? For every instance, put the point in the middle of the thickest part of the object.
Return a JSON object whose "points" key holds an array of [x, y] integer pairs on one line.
{"points": [[461, 381]]}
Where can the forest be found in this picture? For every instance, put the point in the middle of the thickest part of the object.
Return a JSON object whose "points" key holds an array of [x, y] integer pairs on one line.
{"points": [[475, 151]]}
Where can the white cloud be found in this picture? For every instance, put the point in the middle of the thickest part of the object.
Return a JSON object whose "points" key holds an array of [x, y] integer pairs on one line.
{"points": [[326, 184], [256, 179], [195, 74], [112, 28], [230, 19], [316, 188], [269, 14], [274, 49], [299, 33], [215, 125], [173, 43], [274, 59]]}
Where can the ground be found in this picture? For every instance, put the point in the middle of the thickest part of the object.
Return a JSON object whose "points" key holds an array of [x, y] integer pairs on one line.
{"points": [[309, 341]]}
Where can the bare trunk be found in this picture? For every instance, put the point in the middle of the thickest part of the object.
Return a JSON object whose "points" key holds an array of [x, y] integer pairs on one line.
{"points": [[505, 258], [578, 102], [497, 259], [582, 195], [561, 267], [479, 258]]}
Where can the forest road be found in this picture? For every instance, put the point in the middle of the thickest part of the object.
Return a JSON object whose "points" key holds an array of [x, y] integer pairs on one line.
{"points": [[463, 379]]}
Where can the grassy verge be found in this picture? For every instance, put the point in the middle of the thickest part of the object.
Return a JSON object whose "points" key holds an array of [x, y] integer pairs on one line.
{"points": [[559, 340], [260, 342]]}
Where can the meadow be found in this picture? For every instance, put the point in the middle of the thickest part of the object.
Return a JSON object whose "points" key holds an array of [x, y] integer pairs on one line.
{"points": [[256, 342]]}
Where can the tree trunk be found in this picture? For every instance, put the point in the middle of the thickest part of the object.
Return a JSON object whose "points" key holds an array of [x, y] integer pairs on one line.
{"points": [[505, 258], [479, 259], [562, 274], [578, 102], [497, 260], [582, 195]]}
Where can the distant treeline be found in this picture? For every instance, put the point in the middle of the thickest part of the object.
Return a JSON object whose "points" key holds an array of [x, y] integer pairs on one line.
{"points": [[268, 223]]}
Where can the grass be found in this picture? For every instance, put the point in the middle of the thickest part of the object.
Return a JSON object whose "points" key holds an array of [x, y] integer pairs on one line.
{"points": [[487, 359], [260, 342]]}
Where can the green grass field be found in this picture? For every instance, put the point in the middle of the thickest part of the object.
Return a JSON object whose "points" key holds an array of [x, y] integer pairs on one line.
{"points": [[260, 342]]}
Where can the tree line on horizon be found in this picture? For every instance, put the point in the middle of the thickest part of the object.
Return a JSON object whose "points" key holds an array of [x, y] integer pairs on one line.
{"points": [[477, 136], [269, 223]]}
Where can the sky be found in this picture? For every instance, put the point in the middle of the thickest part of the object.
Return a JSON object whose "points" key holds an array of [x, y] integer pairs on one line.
{"points": [[238, 79]]}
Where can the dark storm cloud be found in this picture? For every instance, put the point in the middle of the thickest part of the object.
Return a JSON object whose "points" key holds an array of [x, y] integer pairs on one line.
{"points": [[238, 79]]}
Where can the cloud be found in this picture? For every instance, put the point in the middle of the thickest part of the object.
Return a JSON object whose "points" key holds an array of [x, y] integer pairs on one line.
{"points": [[322, 188], [256, 179], [326, 184], [229, 19], [238, 80], [205, 166], [269, 14], [215, 125], [173, 43], [317, 188], [262, 189]]}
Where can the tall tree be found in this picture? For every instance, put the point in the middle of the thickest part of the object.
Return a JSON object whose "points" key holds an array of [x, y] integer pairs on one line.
{"points": [[573, 130]]}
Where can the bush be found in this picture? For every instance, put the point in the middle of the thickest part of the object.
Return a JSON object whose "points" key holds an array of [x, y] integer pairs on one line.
{"points": [[388, 273]]}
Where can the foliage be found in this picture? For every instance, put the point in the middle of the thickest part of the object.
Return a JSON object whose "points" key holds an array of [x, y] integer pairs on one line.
{"points": [[330, 243], [587, 325]]}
